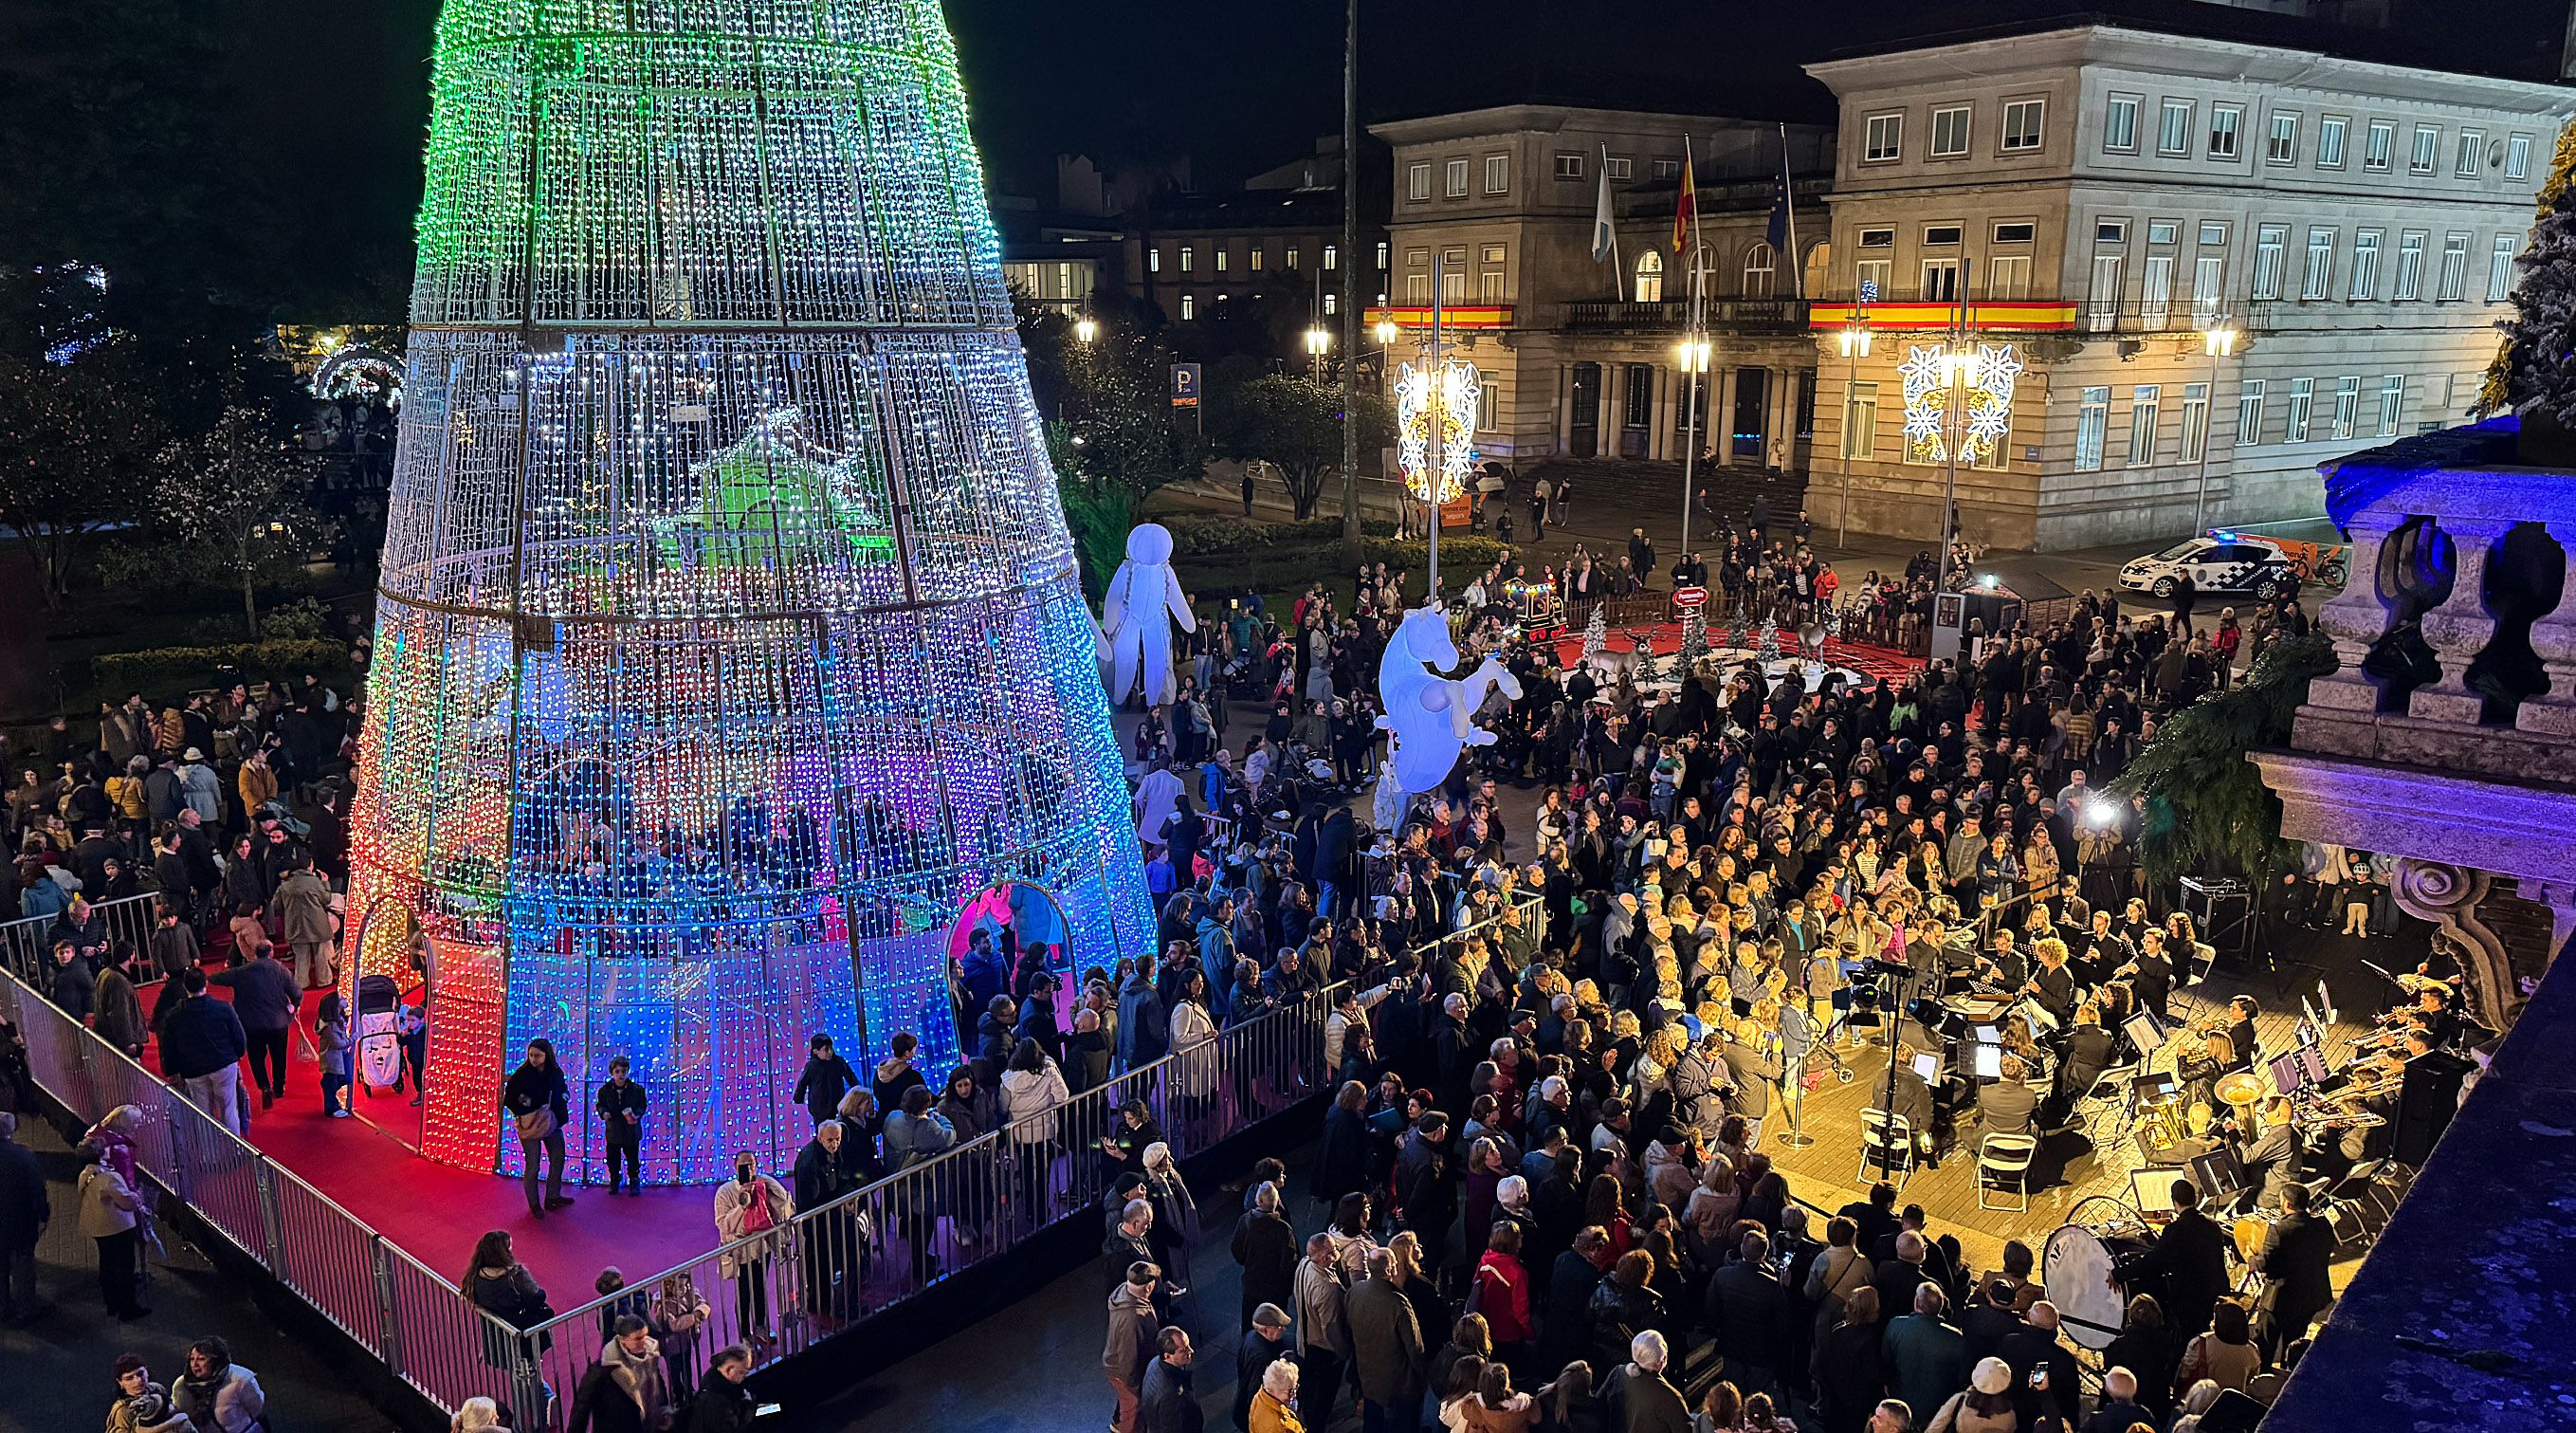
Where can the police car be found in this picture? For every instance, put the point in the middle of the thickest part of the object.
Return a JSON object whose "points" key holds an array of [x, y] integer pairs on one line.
{"points": [[2218, 562]]}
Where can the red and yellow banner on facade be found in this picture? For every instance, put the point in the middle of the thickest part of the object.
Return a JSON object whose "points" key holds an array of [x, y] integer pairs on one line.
{"points": [[1461, 316], [2035, 317]]}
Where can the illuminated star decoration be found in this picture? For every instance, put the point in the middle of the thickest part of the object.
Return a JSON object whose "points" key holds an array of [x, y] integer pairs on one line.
{"points": [[1990, 411], [1453, 393], [1988, 404], [1925, 403]]}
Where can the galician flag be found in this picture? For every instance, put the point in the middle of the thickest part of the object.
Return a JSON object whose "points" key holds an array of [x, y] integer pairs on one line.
{"points": [[1605, 239], [1686, 211]]}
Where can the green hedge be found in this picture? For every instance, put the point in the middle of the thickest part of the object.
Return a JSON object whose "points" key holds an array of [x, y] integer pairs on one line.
{"points": [[1210, 536], [1283, 569], [168, 671]]}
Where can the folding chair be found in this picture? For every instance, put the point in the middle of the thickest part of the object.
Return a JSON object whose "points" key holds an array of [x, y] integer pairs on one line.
{"points": [[1886, 1141], [2001, 1157]]}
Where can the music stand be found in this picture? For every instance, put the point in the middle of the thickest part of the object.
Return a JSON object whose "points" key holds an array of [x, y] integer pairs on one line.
{"points": [[2151, 1189], [2289, 1076], [2147, 1032]]}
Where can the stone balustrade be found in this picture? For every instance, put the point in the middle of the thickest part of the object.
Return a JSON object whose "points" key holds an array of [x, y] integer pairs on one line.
{"points": [[2457, 630]]}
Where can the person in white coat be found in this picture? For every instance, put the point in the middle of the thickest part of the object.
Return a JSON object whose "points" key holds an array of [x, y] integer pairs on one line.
{"points": [[1032, 1088], [751, 1212], [108, 1216]]}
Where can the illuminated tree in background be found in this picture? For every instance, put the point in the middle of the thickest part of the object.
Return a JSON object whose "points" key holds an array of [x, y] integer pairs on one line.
{"points": [[731, 637]]}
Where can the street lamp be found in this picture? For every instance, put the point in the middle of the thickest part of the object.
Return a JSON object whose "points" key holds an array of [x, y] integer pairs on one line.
{"points": [[1960, 370], [1085, 329], [1319, 341], [1854, 341], [2217, 341], [1691, 356], [1386, 332]]}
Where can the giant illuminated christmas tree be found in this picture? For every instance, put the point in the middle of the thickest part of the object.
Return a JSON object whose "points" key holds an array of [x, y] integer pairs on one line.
{"points": [[730, 636]]}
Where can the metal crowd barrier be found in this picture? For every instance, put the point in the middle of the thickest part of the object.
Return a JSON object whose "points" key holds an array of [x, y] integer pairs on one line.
{"points": [[27, 945], [781, 1292]]}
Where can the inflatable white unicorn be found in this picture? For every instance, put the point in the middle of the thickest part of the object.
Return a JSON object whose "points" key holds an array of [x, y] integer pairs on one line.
{"points": [[1431, 714], [1131, 617]]}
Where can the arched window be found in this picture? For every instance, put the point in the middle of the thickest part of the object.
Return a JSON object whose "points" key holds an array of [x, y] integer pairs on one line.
{"points": [[1820, 262], [1650, 277], [1759, 267]]}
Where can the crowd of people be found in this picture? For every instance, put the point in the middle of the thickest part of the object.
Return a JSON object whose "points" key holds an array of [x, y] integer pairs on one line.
{"points": [[1553, 1052], [1541, 1181]]}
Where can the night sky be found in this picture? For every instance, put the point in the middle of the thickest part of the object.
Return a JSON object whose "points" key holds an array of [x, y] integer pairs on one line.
{"points": [[330, 97]]}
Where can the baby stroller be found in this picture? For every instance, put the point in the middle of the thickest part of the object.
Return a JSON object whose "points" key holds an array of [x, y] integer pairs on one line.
{"points": [[380, 1063]]}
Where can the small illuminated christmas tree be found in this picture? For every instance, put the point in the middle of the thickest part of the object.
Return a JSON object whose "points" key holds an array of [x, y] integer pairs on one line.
{"points": [[1738, 633], [1767, 646], [1596, 632], [1694, 639]]}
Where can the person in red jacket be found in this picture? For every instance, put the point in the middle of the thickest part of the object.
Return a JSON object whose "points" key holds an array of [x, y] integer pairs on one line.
{"points": [[1503, 1294]]}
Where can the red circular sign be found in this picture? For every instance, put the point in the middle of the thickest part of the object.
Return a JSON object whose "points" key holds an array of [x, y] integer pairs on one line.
{"points": [[1689, 597]]}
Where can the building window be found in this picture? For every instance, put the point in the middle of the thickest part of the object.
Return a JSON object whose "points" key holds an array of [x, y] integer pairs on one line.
{"points": [[1569, 164], [2500, 269], [2392, 403], [2163, 231], [1454, 179], [2249, 412], [1884, 140], [2320, 271], [1453, 277], [2330, 138], [1498, 174], [1381, 255], [1291, 255], [2365, 265], [1332, 257], [2103, 308], [1189, 259], [1950, 132], [1417, 290], [2111, 231], [1650, 277], [2155, 290], [2455, 268], [2173, 127], [1761, 267], [2024, 121], [2377, 148], [1869, 278], [1222, 259], [2269, 242], [1877, 239], [2120, 125], [2195, 422], [1617, 166], [1489, 286], [2008, 276], [2281, 140], [1153, 261], [2208, 291], [1940, 281], [1332, 303], [2347, 407], [2517, 157], [1860, 421], [2473, 151], [1943, 236], [1189, 307], [2021, 232], [2092, 424], [1489, 406], [1496, 253], [1417, 179], [2303, 394], [2428, 142], [2213, 232], [2410, 268], [1256, 259], [2144, 401], [2226, 121]]}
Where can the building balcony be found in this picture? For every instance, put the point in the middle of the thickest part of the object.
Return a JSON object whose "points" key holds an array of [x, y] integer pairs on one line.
{"points": [[1673, 316], [2446, 735]]}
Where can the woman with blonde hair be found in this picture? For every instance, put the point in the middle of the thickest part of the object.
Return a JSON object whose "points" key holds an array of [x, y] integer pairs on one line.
{"points": [[1273, 1407]]}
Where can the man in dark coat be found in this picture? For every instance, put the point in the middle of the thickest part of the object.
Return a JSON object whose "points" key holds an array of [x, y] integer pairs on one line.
{"points": [[1565, 1317], [2056, 1390], [2293, 1263], [1748, 1312], [1386, 1346], [1425, 1190], [24, 1212], [1266, 1248], [2191, 1257], [1168, 1405]]}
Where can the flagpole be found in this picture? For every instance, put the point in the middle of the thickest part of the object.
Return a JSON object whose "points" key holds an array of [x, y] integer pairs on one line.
{"points": [[1439, 412], [1789, 197], [1618, 280]]}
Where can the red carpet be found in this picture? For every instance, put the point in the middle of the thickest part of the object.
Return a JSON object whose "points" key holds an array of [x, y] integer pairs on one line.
{"points": [[435, 1213], [1665, 638]]}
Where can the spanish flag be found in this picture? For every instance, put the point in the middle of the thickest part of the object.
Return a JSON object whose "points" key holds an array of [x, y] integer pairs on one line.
{"points": [[1686, 209]]}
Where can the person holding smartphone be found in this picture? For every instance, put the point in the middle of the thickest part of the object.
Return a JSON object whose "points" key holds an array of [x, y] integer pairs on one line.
{"points": [[723, 1405]]}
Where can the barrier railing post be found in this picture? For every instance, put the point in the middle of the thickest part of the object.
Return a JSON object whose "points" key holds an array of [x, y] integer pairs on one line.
{"points": [[389, 1341], [272, 1233]]}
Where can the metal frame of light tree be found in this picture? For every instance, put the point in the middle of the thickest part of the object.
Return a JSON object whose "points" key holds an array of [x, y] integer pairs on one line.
{"points": [[730, 633]]}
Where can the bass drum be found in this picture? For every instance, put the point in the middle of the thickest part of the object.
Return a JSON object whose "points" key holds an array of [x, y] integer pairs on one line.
{"points": [[2078, 1267]]}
